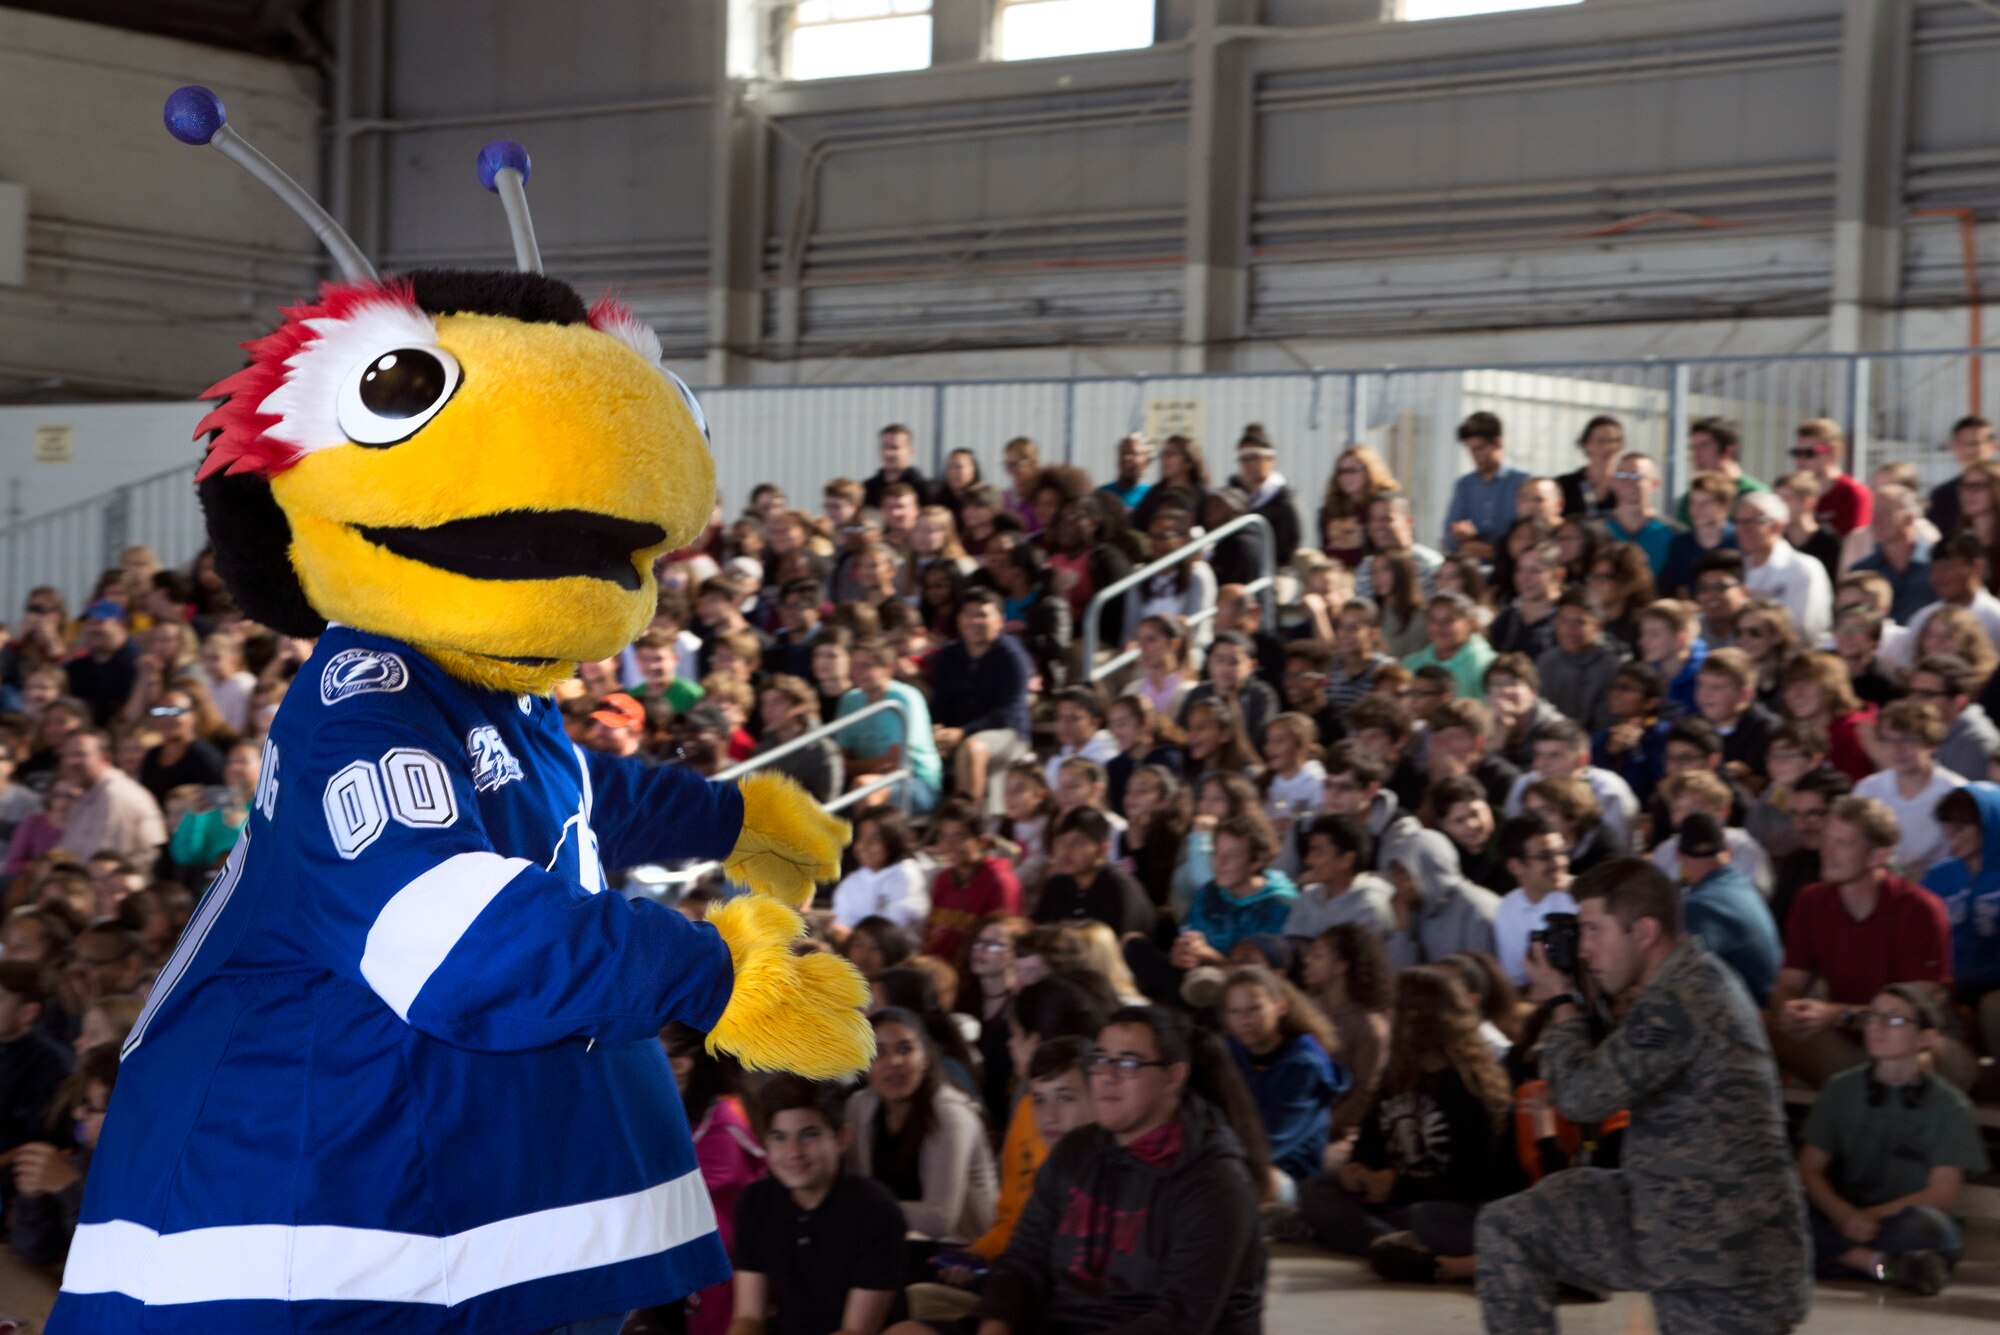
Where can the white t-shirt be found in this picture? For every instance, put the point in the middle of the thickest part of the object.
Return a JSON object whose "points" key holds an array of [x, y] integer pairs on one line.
{"points": [[1798, 583], [1103, 748], [1616, 801], [1921, 845], [1516, 917], [898, 892], [1985, 609]]}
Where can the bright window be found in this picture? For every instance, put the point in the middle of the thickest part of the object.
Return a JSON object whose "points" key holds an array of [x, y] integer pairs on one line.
{"points": [[1458, 9], [1033, 29], [832, 38]]}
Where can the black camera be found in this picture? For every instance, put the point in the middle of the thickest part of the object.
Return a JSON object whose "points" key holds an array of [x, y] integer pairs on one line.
{"points": [[1559, 937]]}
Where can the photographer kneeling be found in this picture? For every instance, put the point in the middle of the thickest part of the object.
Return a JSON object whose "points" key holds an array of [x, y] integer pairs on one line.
{"points": [[1705, 1214]]}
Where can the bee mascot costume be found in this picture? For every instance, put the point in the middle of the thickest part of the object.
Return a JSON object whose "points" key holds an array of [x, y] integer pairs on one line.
{"points": [[402, 1073]]}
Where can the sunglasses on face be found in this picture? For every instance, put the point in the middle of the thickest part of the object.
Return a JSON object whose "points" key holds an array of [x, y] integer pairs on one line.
{"points": [[167, 711], [1807, 451]]}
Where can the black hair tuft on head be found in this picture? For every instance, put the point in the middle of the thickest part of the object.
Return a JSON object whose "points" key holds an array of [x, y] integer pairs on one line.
{"points": [[529, 297]]}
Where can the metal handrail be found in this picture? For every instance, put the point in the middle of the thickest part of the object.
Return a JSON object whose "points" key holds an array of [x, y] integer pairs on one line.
{"points": [[1264, 585], [688, 875]]}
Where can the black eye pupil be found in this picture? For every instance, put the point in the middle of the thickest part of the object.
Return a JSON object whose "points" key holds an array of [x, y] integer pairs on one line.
{"points": [[403, 383]]}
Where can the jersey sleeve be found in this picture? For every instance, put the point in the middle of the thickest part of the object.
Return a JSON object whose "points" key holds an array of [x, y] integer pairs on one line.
{"points": [[645, 814], [401, 890]]}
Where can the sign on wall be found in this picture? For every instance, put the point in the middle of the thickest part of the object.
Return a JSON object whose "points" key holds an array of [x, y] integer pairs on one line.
{"points": [[1173, 417], [55, 443]]}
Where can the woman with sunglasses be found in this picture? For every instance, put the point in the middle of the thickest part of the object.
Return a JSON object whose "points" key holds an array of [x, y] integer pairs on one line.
{"points": [[182, 757]]}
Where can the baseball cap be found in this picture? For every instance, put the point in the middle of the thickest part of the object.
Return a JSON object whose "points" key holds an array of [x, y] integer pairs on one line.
{"points": [[620, 711], [1701, 837]]}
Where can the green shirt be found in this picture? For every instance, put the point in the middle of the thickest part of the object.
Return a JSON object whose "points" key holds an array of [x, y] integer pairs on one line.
{"points": [[1886, 1152], [681, 694], [1467, 666], [202, 839], [1744, 485]]}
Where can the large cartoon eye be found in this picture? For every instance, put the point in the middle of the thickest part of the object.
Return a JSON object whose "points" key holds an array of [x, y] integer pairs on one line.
{"points": [[693, 404], [388, 398]]}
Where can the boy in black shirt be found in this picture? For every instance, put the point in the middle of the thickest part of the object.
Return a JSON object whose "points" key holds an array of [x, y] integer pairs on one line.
{"points": [[818, 1249], [1087, 888]]}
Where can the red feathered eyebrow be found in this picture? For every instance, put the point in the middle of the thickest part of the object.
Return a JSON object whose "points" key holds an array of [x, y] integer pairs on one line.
{"points": [[241, 442]]}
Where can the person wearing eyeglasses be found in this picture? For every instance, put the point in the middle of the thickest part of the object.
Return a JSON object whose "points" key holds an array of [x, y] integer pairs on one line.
{"points": [[1774, 569], [1844, 504], [1887, 1149], [1536, 855], [1634, 519], [1146, 1219]]}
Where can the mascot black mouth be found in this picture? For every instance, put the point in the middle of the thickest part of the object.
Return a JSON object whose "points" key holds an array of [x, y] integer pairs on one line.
{"points": [[527, 544]]}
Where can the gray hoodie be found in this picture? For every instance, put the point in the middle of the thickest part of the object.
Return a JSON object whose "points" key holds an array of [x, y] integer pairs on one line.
{"points": [[1454, 914], [1580, 684], [1365, 901]]}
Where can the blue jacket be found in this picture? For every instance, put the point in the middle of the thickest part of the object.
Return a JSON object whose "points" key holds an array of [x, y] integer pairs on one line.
{"points": [[1732, 920], [1223, 919], [1295, 1094], [1973, 901], [402, 1072]]}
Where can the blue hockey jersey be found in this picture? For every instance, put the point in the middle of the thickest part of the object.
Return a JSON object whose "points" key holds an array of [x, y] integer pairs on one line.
{"points": [[401, 1073]]}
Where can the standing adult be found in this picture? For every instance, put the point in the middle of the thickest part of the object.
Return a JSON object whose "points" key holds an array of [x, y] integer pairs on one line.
{"points": [[1482, 501], [112, 812], [1587, 493], [1901, 556], [1269, 493], [1633, 519], [1715, 446], [1774, 569], [1844, 504], [1972, 443], [103, 674], [1704, 1211], [899, 464]]}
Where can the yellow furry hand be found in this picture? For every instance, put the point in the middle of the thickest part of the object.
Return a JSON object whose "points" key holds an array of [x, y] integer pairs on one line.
{"points": [[788, 844], [787, 1012]]}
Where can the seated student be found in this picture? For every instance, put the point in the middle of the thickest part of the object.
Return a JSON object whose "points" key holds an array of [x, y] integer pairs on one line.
{"points": [[1080, 731], [1080, 785], [1056, 1103], [972, 882], [1291, 782], [1354, 787], [1308, 665], [876, 944], [919, 1136], [1562, 751], [1709, 499], [1283, 1046], [1429, 1151], [1216, 742], [1912, 783], [1085, 885], [1570, 806], [818, 1249], [1337, 888], [1577, 669], [888, 883], [1438, 911], [1026, 823], [1723, 908], [1232, 681], [1855, 932], [1797, 750], [878, 744], [1887, 1148], [1948, 683], [1065, 1008], [1462, 811], [1633, 743], [1670, 643], [1514, 694], [726, 1152], [1701, 790], [1455, 643], [1135, 726], [1725, 694], [1537, 857], [1247, 897], [1968, 883], [1346, 972], [1459, 736], [1383, 727], [1815, 691], [1156, 840], [32, 1065], [1176, 1139], [1526, 625], [1217, 798], [1811, 802], [48, 1181]]}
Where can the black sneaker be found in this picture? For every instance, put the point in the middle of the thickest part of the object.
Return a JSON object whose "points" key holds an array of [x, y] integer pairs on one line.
{"points": [[1922, 1273], [1400, 1258]]}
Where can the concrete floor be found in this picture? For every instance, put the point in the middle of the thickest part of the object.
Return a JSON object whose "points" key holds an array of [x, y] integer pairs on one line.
{"points": [[1312, 1292]]}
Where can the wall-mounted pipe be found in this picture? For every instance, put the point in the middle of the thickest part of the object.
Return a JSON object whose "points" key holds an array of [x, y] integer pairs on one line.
{"points": [[1968, 242], [525, 115]]}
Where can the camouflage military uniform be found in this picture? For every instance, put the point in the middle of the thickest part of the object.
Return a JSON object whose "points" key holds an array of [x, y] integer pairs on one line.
{"points": [[1706, 1213]]}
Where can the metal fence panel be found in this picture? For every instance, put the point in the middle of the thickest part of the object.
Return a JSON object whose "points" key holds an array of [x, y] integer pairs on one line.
{"points": [[1896, 406]]}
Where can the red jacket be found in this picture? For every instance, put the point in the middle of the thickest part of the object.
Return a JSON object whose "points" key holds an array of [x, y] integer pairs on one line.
{"points": [[957, 908]]}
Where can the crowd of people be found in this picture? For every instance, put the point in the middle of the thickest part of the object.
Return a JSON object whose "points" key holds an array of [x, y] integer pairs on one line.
{"points": [[1229, 932]]}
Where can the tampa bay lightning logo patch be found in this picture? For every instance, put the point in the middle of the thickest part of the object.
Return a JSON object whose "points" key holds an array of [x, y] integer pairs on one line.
{"points": [[358, 671], [492, 763]]}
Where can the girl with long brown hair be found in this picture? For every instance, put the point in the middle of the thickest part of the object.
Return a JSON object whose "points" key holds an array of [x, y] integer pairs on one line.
{"points": [[1429, 1153], [1358, 477], [1284, 1049]]}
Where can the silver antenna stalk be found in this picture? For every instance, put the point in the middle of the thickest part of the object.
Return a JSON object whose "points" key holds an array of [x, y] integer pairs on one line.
{"points": [[503, 169], [194, 115]]}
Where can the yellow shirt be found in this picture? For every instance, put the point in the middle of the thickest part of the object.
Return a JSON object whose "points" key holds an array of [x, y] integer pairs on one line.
{"points": [[1021, 1155]]}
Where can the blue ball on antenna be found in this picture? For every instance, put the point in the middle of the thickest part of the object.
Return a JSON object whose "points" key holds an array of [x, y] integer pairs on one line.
{"points": [[499, 154], [193, 114]]}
